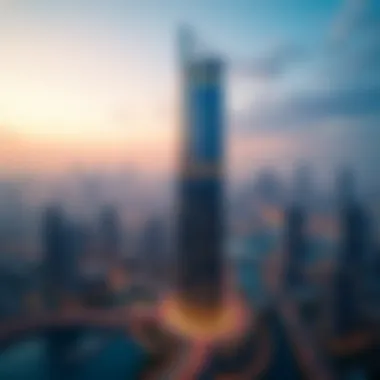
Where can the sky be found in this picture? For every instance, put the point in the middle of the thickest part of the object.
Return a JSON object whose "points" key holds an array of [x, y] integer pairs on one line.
{"points": [[95, 82]]}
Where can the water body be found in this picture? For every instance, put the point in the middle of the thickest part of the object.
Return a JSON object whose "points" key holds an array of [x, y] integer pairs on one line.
{"points": [[95, 355]]}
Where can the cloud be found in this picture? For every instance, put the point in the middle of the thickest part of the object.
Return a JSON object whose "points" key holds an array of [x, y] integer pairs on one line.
{"points": [[351, 75], [353, 59], [356, 23], [350, 17], [337, 118], [355, 26], [301, 110], [273, 64]]}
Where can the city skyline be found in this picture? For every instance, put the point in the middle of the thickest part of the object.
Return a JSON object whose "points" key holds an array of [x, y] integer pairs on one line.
{"points": [[208, 247]]}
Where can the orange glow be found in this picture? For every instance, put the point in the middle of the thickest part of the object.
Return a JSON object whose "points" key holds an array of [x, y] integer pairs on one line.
{"points": [[20, 152], [227, 323], [64, 101]]}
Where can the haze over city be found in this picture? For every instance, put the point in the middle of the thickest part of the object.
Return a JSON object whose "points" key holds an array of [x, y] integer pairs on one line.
{"points": [[189, 189]]}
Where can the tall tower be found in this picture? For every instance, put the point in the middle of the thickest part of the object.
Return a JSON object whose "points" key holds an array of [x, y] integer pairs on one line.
{"points": [[200, 223], [110, 234], [55, 255], [354, 246], [59, 275], [295, 232], [198, 306], [153, 248], [351, 327], [295, 247]]}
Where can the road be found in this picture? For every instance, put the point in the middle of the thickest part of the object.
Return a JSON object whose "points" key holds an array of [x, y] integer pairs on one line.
{"points": [[127, 319], [303, 343]]}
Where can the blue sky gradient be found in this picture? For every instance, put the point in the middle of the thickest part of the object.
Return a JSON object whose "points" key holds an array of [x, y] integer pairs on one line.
{"points": [[301, 71]]}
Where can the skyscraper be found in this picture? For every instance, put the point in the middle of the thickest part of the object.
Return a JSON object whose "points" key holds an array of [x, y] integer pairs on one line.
{"points": [[202, 305], [268, 187], [345, 187], [304, 188], [77, 239], [200, 223], [63, 242], [59, 261], [54, 245], [153, 248], [295, 244], [354, 246], [351, 342], [110, 233]]}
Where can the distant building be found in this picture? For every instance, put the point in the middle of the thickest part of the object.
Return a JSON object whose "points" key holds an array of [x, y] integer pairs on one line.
{"points": [[355, 245], [55, 253], [63, 243], [110, 234], [268, 187], [303, 192], [12, 213], [372, 304], [345, 187], [77, 241], [295, 247], [295, 231], [60, 246], [153, 247], [350, 268]]}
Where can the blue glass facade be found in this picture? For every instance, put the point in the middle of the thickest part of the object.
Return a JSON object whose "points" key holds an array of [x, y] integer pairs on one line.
{"points": [[205, 113], [200, 234]]}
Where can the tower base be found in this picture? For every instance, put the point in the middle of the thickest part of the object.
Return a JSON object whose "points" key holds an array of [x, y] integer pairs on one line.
{"points": [[226, 323]]}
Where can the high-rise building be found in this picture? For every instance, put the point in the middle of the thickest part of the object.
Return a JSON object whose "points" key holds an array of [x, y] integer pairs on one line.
{"points": [[295, 247], [345, 187], [110, 233], [77, 240], [295, 236], [268, 187], [355, 243], [200, 224], [303, 186], [60, 247], [352, 340], [63, 242], [153, 248], [204, 304], [55, 254]]}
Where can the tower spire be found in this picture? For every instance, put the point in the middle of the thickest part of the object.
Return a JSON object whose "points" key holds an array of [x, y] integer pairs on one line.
{"points": [[186, 44]]}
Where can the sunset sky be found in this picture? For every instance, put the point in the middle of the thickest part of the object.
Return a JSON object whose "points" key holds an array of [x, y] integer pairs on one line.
{"points": [[94, 82]]}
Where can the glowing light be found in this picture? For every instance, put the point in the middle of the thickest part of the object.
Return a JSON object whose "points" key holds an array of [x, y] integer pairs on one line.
{"points": [[226, 323]]}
